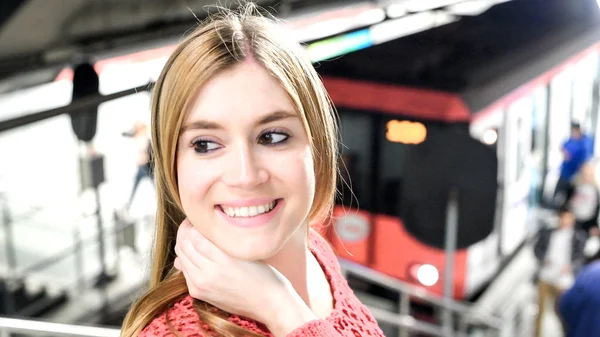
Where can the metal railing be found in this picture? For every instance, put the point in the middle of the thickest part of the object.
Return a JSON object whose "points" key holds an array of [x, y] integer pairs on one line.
{"points": [[417, 292], [9, 326], [491, 325]]}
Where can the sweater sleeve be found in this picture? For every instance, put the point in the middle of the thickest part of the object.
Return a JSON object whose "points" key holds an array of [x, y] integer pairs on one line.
{"points": [[316, 328]]}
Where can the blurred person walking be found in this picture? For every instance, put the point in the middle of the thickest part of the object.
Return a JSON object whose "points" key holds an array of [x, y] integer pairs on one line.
{"points": [[585, 201], [560, 253], [141, 137]]}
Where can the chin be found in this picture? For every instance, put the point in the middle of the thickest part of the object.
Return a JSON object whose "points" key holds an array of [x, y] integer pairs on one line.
{"points": [[251, 251]]}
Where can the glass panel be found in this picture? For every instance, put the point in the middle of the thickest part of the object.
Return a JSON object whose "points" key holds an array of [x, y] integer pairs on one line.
{"points": [[398, 137], [558, 127], [52, 227], [519, 113], [539, 139], [355, 163], [583, 83], [420, 164]]}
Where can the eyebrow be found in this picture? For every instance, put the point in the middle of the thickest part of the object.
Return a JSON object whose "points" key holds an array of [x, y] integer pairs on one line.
{"points": [[208, 125]]}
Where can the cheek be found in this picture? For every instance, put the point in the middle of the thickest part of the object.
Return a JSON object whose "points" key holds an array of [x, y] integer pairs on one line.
{"points": [[193, 181], [297, 170]]}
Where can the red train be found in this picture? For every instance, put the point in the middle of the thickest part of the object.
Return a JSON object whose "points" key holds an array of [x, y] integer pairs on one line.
{"points": [[511, 80]]}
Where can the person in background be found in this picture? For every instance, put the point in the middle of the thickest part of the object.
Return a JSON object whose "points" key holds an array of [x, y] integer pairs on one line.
{"points": [[585, 200], [579, 306], [576, 151], [143, 146], [560, 253]]}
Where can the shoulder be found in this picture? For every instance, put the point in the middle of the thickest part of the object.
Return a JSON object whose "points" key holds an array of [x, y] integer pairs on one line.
{"points": [[588, 279], [180, 318], [323, 251]]}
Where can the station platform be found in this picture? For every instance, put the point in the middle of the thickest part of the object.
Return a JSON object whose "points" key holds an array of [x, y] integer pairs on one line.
{"points": [[54, 227], [132, 267]]}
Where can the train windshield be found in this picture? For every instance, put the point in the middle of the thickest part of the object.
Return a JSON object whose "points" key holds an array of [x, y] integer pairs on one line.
{"points": [[407, 168]]}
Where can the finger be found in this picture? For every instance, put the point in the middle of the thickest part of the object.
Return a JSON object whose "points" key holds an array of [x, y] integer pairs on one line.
{"points": [[182, 234], [189, 256], [190, 285], [193, 277], [183, 229], [177, 264], [205, 247]]}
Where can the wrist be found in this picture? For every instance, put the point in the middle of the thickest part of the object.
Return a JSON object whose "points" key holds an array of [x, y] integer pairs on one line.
{"points": [[288, 313]]}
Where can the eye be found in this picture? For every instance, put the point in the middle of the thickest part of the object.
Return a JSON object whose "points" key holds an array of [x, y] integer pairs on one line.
{"points": [[273, 138], [205, 146]]}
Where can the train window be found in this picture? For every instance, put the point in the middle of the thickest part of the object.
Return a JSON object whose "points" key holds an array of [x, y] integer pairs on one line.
{"points": [[355, 161], [595, 106], [583, 85], [518, 137], [559, 117], [539, 130], [539, 120], [420, 163], [393, 145]]}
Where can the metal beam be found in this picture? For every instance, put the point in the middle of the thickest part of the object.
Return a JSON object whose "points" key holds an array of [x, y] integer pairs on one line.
{"points": [[7, 8], [74, 108]]}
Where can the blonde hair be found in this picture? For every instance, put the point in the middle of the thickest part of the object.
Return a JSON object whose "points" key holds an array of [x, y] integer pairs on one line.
{"points": [[224, 40]]}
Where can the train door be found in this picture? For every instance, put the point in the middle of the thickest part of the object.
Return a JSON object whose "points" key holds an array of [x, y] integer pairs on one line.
{"points": [[559, 121], [596, 103], [596, 107], [583, 86], [517, 174], [484, 258], [351, 232], [539, 140]]}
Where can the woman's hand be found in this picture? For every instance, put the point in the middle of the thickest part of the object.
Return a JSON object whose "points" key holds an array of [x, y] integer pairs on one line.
{"points": [[251, 289]]}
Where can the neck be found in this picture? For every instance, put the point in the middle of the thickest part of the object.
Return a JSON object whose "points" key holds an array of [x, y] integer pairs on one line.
{"points": [[293, 261]]}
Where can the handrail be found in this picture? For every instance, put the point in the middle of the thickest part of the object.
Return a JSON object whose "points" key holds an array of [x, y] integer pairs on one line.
{"points": [[408, 322], [41, 328], [58, 257], [75, 107], [394, 284]]}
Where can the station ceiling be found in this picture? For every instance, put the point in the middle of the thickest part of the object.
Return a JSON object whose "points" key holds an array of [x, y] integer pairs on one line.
{"points": [[39, 38]]}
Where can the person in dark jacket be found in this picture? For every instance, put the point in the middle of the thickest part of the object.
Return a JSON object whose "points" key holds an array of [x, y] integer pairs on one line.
{"points": [[560, 253], [579, 307]]}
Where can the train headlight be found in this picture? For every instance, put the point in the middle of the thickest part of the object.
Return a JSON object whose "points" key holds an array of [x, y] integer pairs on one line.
{"points": [[491, 136], [427, 275]]}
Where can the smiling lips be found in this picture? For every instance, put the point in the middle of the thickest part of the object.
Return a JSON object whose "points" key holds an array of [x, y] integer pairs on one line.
{"points": [[248, 211]]}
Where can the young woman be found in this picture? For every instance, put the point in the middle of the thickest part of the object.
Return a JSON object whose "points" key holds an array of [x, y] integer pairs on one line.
{"points": [[245, 146]]}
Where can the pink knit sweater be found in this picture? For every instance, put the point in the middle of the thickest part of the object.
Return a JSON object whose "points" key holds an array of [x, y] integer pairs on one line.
{"points": [[349, 317]]}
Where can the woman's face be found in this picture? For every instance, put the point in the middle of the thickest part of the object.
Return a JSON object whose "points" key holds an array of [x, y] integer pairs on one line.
{"points": [[244, 164]]}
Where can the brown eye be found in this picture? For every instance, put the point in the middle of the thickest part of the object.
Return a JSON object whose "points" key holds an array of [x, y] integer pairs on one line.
{"points": [[273, 138], [204, 146]]}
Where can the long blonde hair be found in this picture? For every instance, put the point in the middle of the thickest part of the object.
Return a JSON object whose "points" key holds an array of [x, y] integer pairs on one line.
{"points": [[224, 40]]}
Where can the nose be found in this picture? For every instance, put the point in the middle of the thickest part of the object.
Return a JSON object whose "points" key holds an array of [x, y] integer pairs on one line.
{"points": [[245, 169]]}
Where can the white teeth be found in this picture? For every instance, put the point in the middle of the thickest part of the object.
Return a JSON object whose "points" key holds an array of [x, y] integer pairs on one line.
{"points": [[245, 212], [252, 211]]}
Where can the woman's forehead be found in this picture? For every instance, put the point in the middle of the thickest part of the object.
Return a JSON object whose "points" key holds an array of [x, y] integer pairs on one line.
{"points": [[245, 90]]}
